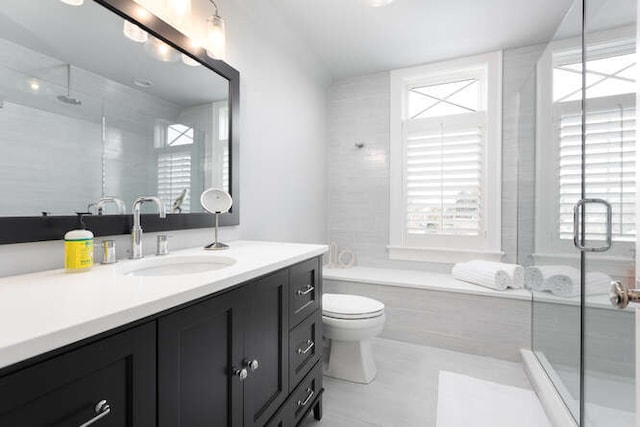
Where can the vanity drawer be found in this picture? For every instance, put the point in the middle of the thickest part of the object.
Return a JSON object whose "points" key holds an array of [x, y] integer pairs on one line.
{"points": [[305, 348], [304, 290], [305, 396]]}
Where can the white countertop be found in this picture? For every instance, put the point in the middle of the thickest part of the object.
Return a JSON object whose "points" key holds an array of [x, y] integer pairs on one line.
{"points": [[43, 311]]}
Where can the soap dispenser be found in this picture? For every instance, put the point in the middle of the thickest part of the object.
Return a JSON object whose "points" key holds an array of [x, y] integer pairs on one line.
{"points": [[78, 248]]}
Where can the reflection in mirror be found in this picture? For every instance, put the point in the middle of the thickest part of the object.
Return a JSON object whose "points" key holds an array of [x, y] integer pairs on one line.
{"points": [[100, 112]]}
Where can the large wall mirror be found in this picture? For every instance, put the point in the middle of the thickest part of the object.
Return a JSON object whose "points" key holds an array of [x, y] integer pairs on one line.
{"points": [[97, 109]]}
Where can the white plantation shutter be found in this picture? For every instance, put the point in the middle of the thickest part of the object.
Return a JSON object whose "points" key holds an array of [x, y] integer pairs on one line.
{"points": [[174, 175], [444, 175], [609, 168]]}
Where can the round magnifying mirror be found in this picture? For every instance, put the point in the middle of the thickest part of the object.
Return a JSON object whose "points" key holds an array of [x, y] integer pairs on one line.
{"points": [[215, 200]]}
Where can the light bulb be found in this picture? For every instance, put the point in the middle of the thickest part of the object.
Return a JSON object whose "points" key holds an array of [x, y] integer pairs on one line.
{"points": [[135, 33], [161, 51], [34, 84], [73, 2], [187, 60], [216, 38], [178, 9]]}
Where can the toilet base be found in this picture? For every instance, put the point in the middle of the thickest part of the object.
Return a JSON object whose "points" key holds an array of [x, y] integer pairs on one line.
{"points": [[351, 361]]}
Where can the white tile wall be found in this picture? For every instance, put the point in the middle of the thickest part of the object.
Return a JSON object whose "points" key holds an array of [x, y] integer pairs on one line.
{"points": [[358, 182], [488, 326]]}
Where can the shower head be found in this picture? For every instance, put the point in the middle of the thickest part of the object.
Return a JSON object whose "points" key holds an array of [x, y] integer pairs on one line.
{"points": [[68, 99]]}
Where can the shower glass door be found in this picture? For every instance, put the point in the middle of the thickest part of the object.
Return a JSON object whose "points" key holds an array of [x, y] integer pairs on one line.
{"points": [[608, 178], [548, 191]]}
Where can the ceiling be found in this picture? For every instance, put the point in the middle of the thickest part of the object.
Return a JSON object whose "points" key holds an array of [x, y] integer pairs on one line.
{"points": [[353, 38], [51, 34]]}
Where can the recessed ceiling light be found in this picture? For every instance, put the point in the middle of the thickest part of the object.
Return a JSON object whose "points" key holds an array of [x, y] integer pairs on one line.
{"points": [[73, 2], [142, 83], [378, 3]]}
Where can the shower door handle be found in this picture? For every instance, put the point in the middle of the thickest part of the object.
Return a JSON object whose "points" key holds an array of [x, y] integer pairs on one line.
{"points": [[620, 295], [577, 209]]}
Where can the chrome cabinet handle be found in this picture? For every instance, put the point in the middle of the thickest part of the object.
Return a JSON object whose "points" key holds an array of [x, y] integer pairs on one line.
{"points": [[620, 295], [576, 225], [102, 409], [252, 364], [306, 291], [241, 373], [310, 345], [305, 401]]}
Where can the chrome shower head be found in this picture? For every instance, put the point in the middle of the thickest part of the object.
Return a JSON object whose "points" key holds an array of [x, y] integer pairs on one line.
{"points": [[68, 99]]}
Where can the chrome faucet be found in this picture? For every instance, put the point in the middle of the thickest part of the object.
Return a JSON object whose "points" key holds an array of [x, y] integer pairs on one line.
{"points": [[136, 231], [109, 199]]}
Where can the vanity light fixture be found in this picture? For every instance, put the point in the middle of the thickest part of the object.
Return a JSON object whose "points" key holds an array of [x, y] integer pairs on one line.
{"points": [[73, 2], [178, 9], [135, 33], [160, 50], [187, 60], [216, 40]]}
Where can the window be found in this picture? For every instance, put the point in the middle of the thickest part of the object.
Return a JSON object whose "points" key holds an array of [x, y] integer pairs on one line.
{"points": [[609, 144], [174, 168], [445, 160]]}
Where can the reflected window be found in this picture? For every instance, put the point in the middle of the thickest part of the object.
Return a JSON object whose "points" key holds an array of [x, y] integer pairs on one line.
{"points": [[610, 139], [174, 168]]}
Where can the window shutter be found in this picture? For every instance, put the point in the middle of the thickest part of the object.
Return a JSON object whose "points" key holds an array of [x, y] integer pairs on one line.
{"points": [[174, 175], [444, 175], [609, 171]]}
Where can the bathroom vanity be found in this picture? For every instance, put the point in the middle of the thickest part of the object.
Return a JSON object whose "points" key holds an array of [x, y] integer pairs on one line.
{"points": [[238, 345]]}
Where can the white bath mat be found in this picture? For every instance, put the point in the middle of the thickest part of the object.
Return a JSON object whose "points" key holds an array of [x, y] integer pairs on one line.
{"points": [[469, 402]]}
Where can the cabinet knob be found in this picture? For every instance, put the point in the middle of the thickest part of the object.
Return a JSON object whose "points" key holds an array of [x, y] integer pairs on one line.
{"points": [[241, 373], [252, 364]]}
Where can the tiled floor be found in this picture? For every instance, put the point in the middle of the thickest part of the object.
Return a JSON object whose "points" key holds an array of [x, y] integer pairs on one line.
{"points": [[405, 393]]}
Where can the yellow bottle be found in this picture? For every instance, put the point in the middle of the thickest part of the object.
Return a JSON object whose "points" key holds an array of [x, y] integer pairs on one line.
{"points": [[78, 249]]}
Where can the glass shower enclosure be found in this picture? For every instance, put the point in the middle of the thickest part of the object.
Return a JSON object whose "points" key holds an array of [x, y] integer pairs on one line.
{"points": [[577, 208]]}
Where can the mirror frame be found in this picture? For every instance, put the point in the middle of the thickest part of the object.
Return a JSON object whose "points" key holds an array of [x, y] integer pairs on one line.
{"points": [[36, 229]]}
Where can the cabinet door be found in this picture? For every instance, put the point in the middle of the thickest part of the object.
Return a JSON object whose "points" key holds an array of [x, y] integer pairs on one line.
{"points": [[199, 351], [65, 390], [266, 341]]}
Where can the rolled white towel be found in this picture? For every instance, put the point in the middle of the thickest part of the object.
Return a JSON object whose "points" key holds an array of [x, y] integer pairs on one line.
{"points": [[560, 280], [533, 279], [484, 275], [515, 271], [564, 281]]}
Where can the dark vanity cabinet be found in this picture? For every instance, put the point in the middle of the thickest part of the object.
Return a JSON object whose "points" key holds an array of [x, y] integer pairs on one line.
{"points": [[245, 357], [111, 382], [223, 361]]}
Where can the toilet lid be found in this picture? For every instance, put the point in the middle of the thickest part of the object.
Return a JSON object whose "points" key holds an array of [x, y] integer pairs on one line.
{"points": [[341, 306]]}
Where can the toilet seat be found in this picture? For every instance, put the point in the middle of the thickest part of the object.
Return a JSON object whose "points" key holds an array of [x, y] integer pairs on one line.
{"points": [[339, 306]]}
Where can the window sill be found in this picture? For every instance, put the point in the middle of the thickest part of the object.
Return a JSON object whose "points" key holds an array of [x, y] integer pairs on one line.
{"points": [[441, 255]]}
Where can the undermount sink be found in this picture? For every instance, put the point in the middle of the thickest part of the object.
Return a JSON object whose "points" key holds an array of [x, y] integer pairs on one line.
{"points": [[173, 266]]}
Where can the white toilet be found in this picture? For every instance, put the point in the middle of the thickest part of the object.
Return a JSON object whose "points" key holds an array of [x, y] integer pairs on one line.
{"points": [[349, 322]]}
